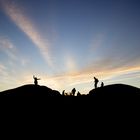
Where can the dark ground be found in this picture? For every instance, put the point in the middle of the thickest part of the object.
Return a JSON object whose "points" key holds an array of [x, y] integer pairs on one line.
{"points": [[43, 91]]}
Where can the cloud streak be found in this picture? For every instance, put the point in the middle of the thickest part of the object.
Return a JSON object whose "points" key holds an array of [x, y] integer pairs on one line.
{"points": [[85, 76], [8, 48], [2, 69], [25, 24]]}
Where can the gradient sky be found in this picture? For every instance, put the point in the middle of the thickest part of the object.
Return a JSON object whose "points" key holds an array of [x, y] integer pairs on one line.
{"points": [[68, 42]]}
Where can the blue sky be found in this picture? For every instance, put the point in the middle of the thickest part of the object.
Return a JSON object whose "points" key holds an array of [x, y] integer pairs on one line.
{"points": [[68, 42]]}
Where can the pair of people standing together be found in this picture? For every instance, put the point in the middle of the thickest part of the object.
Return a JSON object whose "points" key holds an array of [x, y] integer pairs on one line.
{"points": [[96, 81]]}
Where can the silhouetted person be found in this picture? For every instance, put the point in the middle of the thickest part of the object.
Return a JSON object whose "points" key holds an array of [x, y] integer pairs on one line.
{"points": [[78, 94], [73, 91], [95, 82], [35, 80], [63, 93], [102, 84]]}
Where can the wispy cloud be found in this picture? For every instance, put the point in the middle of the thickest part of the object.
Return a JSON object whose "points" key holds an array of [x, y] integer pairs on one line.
{"points": [[2, 69], [85, 77], [4, 75], [11, 78], [25, 24], [82, 79], [70, 63], [7, 47]]}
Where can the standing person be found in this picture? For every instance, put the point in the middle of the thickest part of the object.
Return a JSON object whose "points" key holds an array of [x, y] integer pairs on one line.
{"points": [[36, 80], [73, 91], [95, 82], [78, 94], [63, 93], [102, 84]]}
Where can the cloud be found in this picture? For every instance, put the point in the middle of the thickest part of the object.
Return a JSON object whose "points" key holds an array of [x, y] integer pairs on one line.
{"points": [[11, 51], [2, 69], [11, 78], [4, 75], [8, 48], [25, 24], [81, 80], [70, 63], [84, 78], [25, 61], [105, 68]]}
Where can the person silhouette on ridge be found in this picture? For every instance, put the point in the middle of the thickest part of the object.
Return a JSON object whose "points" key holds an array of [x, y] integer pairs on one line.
{"points": [[73, 91], [78, 94], [36, 80], [96, 82], [102, 84], [63, 93]]}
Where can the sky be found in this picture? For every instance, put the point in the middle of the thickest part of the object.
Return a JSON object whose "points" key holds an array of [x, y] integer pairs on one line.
{"points": [[68, 42]]}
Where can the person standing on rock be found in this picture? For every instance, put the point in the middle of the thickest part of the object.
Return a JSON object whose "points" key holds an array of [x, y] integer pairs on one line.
{"points": [[36, 80], [73, 91], [102, 84], [63, 93], [95, 82]]}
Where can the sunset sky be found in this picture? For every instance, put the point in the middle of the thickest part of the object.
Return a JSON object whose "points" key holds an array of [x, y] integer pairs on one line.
{"points": [[68, 42]]}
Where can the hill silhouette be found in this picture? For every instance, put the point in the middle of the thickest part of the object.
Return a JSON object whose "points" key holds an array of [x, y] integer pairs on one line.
{"points": [[115, 90], [30, 90], [43, 91]]}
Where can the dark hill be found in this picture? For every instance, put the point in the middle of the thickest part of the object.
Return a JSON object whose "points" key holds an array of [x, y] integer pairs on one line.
{"points": [[115, 90], [30, 90], [43, 91]]}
